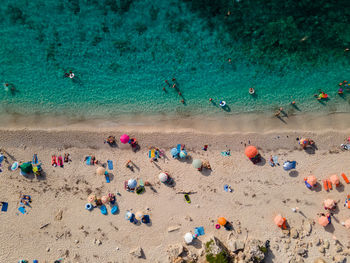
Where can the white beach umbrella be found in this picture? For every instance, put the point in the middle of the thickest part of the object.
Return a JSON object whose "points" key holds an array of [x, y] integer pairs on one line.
{"points": [[132, 183], [188, 238], [163, 177]]}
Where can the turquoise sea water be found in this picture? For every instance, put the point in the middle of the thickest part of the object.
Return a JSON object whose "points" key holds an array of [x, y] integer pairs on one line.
{"points": [[122, 51]]}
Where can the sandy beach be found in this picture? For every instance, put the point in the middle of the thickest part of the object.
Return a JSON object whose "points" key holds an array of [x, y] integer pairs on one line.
{"points": [[58, 226]]}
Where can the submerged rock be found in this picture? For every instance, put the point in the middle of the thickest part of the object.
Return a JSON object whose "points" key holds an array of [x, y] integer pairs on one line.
{"points": [[255, 251]]}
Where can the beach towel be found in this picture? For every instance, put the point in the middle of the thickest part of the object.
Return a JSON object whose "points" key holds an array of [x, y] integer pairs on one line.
{"points": [[141, 183], [110, 165], [103, 210], [35, 159], [199, 231], [88, 160], [4, 206], [107, 178], [22, 209], [1, 158], [226, 153], [114, 209]]}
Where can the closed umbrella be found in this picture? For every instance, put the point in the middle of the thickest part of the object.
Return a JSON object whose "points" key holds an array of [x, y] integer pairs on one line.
{"points": [[347, 223], [311, 180], [188, 238], [174, 152], [329, 203], [197, 163], [163, 177], [251, 151], [183, 154], [288, 165], [323, 221], [132, 183], [104, 199], [124, 138], [138, 215], [334, 179], [100, 170], [91, 198]]}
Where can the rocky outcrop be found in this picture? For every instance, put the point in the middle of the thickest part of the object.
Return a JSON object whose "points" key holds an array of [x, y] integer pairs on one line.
{"points": [[175, 252], [215, 251], [234, 245]]}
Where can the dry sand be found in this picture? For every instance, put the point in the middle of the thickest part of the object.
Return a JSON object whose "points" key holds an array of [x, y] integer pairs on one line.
{"points": [[259, 192]]}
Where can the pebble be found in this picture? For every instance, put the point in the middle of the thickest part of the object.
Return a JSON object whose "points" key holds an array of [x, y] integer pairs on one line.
{"points": [[117, 248], [317, 241], [321, 249], [294, 233], [173, 228], [198, 206], [76, 241], [326, 244], [188, 218], [339, 259], [301, 251], [338, 248], [48, 249]]}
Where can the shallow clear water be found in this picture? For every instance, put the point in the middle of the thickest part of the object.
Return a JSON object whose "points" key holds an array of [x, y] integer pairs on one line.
{"points": [[122, 51]]}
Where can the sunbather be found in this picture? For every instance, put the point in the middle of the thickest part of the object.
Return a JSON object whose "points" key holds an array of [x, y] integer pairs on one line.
{"points": [[111, 141], [66, 157]]}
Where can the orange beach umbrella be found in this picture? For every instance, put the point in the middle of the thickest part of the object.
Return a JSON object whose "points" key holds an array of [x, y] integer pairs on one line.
{"points": [[311, 180], [334, 179], [329, 203], [279, 220], [251, 151], [222, 221], [323, 221]]}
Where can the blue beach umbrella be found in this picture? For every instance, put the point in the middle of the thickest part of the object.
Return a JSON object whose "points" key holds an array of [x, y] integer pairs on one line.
{"points": [[174, 152], [183, 154], [288, 165]]}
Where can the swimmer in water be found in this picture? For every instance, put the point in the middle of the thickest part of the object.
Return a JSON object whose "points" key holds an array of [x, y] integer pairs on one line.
{"points": [[251, 91], [182, 101], [6, 87]]}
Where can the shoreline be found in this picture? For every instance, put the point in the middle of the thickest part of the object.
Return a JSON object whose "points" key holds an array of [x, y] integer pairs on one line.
{"points": [[235, 123]]}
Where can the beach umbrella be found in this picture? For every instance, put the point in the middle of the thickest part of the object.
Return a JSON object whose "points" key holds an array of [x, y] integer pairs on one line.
{"points": [[138, 215], [174, 152], [183, 154], [329, 203], [124, 138], [128, 215], [132, 183], [14, 166], [251, 151], [222, 221], [323, 221], [91, 198], [26, 167], [197, 163], [100, 170], [104, 199], [279, 220], [303, 141], [311, 180], [288, 165], [334, 179], [347, 223], [163, 177], [188, 238]]}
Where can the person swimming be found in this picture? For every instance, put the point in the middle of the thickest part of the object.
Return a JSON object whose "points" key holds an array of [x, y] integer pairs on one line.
{"points": [[222, 103], [6, 87], [251, 91], [70, 75]]}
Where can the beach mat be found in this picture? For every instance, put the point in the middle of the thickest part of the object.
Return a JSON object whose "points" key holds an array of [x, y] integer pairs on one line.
{"points": [[22, 210], [88, 160], [199, 231], [4, 206], [108, 180], [110, 165]]}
